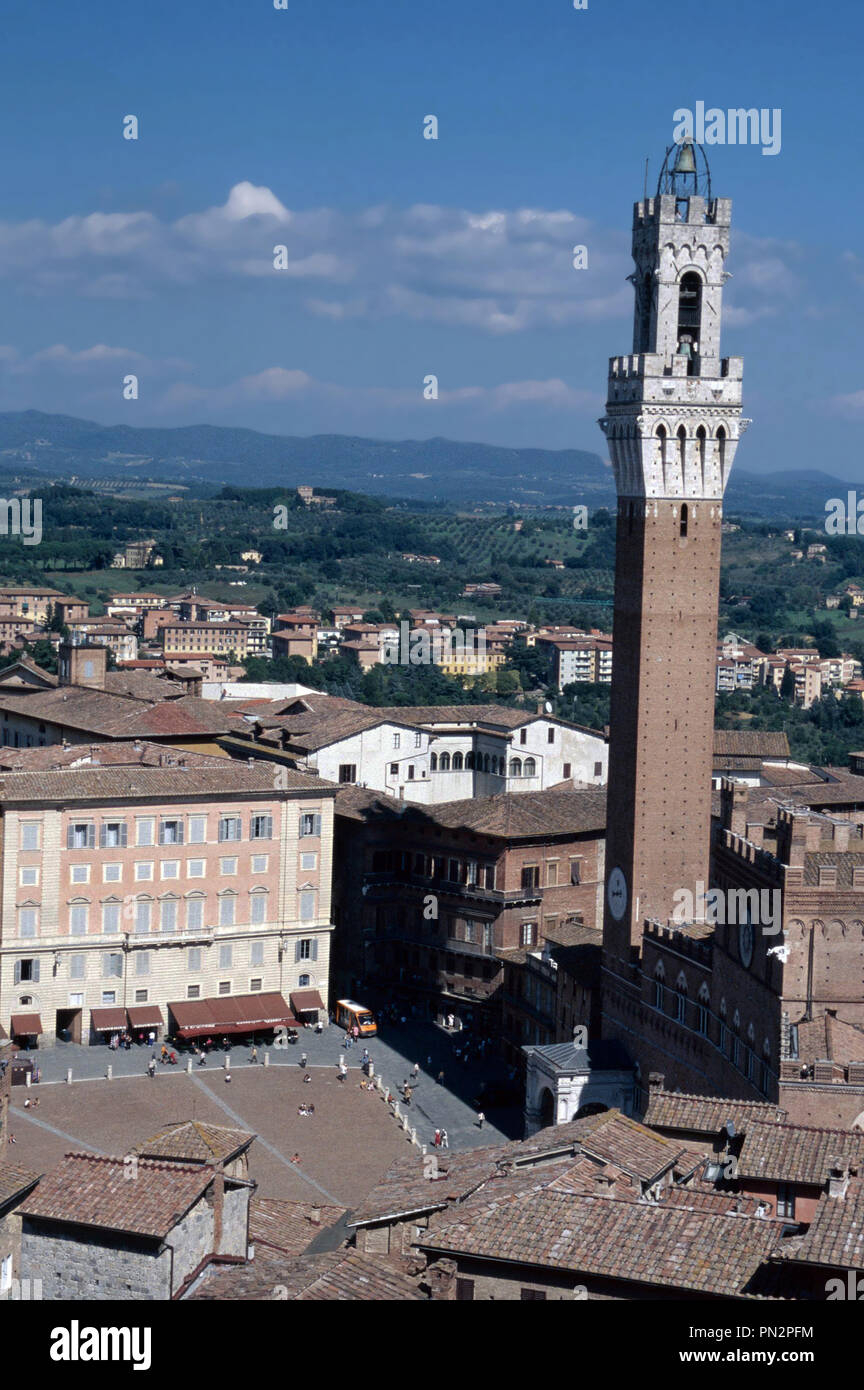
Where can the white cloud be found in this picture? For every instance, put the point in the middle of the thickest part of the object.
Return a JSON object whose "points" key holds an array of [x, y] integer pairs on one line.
{"points": [[496, 270], [850, 406], [285, 384]]}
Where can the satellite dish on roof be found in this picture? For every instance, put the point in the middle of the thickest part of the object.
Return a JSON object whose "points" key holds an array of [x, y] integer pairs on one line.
{"points": [[730, 1129], [548, 706]]}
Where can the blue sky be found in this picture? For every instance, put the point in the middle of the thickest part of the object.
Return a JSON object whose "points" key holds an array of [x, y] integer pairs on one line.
{"points": [[406, 256]]}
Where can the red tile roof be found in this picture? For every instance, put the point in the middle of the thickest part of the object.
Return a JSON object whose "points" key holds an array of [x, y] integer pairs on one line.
{"points": [[90, 1190]]}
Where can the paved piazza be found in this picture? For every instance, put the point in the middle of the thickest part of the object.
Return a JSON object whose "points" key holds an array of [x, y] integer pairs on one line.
{"points": [[344, 1148]]}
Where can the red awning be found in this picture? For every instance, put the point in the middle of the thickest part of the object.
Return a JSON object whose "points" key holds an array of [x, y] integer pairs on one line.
{"points": [[145, 1016], [193, 1018], [108, 1020], [26, 1025], [231, 1013], [304, 1001]]}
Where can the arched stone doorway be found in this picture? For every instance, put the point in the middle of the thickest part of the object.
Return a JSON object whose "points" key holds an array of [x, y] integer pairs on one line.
{"points": [[547, 1108]]}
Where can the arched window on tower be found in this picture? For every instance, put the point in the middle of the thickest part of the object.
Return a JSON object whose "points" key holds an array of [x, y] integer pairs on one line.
{"points": [[659, 977], [700, 451], [689, 318], [684, 519], [751, 1055], [721, 452], [662, 456], [702, 1009], [681, 998], [681, 436], [646, 294]]}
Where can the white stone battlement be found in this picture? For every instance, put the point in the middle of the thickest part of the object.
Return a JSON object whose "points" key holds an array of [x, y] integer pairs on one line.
{"points": [[664, 209]]}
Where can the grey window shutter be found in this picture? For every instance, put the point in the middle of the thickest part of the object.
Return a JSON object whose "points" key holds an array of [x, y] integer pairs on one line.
{"points": [[297, 955], [103, 836], [181, 831], [35, 972], [317, 825], [123, 834], [302, 820], [17, 972], [91, 836], [70, 837], [314, 955], [268, 827]]}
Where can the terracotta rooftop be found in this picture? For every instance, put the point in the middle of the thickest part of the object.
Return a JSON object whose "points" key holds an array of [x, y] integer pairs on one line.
{"points": [[114, 715], [337, 1276], [607, 1138], [828, 1038], [90, 1190], [836, 1233], [523, 814], [192, 1141], [750, 743], [706, 1114], [288, 1227], [614, 1138], [135, 753], [14, 1182], [648, 1243], [223, 777], [510, 815], [797, 1153]]}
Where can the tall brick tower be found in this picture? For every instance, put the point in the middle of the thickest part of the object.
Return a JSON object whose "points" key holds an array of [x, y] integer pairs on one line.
{"points": [[672, 423]]}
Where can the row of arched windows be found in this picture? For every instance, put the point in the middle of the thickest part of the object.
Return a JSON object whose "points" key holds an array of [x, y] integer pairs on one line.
{"points": [[483, 762]]}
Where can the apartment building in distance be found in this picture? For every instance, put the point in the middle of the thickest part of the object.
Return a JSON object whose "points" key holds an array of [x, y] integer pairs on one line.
{"points": [[219, 639], [195, 608], [190, 895], [116, 636], [575, 655], [37, 603], [140, 602], [296, 634]]}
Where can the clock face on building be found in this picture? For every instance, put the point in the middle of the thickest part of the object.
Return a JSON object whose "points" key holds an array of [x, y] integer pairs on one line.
{"points": [[616, 893], [745, 943]]}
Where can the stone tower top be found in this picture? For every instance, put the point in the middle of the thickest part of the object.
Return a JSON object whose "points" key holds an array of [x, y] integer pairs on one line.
{"points": [[673, 416]]}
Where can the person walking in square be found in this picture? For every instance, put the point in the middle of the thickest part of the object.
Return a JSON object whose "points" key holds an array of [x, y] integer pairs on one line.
{"points": [[481, 1119], [445, 1141]]}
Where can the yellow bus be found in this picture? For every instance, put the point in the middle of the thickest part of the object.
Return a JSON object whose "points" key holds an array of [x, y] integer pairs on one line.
{"points": [[350, 1016]]}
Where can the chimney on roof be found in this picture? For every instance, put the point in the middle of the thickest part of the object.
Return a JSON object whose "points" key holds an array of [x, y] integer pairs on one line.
{"points": [[656, 1080], [315, 1216], [838, 1177]]}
